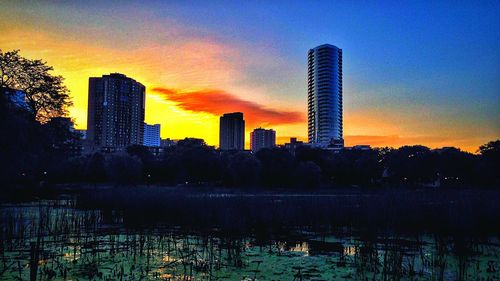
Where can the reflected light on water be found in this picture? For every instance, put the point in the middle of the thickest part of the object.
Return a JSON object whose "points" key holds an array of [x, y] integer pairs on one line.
{"points": [[168, 258], [301, 247], [349, 250]]}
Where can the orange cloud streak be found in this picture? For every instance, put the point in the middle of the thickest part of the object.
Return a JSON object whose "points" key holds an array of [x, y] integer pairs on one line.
{"points": [[218, 102]]}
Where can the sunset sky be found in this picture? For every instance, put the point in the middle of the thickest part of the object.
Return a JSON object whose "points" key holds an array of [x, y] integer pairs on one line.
{"points": [[413, 73]]}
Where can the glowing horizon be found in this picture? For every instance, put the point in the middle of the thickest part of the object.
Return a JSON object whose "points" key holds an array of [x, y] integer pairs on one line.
{"points": [[195, 70]]}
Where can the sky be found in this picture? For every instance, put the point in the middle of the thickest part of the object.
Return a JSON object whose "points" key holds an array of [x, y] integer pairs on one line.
{"points": [[414, 72]]}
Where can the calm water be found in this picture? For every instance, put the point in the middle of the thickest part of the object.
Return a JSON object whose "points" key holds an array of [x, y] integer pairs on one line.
{"points": [[55, 241]]}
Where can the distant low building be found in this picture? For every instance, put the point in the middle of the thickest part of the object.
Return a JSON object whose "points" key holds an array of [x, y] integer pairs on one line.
{"points": [[152, 135], [156, 151], [293, 145], [167, 142], [262, 138], [360, 147]]}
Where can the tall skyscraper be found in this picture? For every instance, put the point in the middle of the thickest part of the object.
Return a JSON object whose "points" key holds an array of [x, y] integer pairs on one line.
{"points": [[262, 138], [115, 111], [152, 135], [324, 96], [232, 131]]}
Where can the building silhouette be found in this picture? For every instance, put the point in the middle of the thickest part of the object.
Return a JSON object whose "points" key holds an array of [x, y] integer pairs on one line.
{"points": [[167, 142], [115, 112], [262, 138], [293, 145], [232, 131], [151, 135], [324, 96]]}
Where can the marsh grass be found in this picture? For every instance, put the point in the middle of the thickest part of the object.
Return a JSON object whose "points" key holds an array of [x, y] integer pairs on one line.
{"points": [[172, 234]]}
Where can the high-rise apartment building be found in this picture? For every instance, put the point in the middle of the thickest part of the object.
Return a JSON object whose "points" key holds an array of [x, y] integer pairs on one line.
{"points": [[232, 131], [115, 111], [324, 96], [151, 135], [262, 138]]}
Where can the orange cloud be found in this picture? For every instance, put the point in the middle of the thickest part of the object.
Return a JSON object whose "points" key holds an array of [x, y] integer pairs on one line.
{"points": [[218, 102]]}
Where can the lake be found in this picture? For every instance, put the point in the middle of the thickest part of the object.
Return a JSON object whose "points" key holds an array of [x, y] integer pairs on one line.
{"points": [[57, 240]]}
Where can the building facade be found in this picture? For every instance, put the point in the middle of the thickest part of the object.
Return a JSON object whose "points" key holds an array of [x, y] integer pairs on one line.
{"points": [[262, 138], [232, 131], [115, 112], [16, 98], [324, 96], [152, 135]]}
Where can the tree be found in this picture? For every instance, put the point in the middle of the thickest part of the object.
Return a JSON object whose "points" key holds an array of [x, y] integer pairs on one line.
{"points": [[148, 161], [69, 170], [359, 167], [277, 166], [122, 168], [19, 147], [45, 93], [60, 137], [318, 156], [243, 169], [411, 165], [307, 175], [490, 162], [191, 161], [455, 167], [94, 169], [491, 149]]}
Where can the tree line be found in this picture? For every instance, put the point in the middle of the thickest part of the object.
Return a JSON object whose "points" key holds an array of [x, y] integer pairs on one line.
{"points": [[192, 162]]}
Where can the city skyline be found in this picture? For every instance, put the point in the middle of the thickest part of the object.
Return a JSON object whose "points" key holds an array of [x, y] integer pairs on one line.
{"points": [[413, 73]]}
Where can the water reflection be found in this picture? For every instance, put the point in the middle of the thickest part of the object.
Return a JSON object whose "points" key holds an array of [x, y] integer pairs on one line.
{"points": [[52, 239]]}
